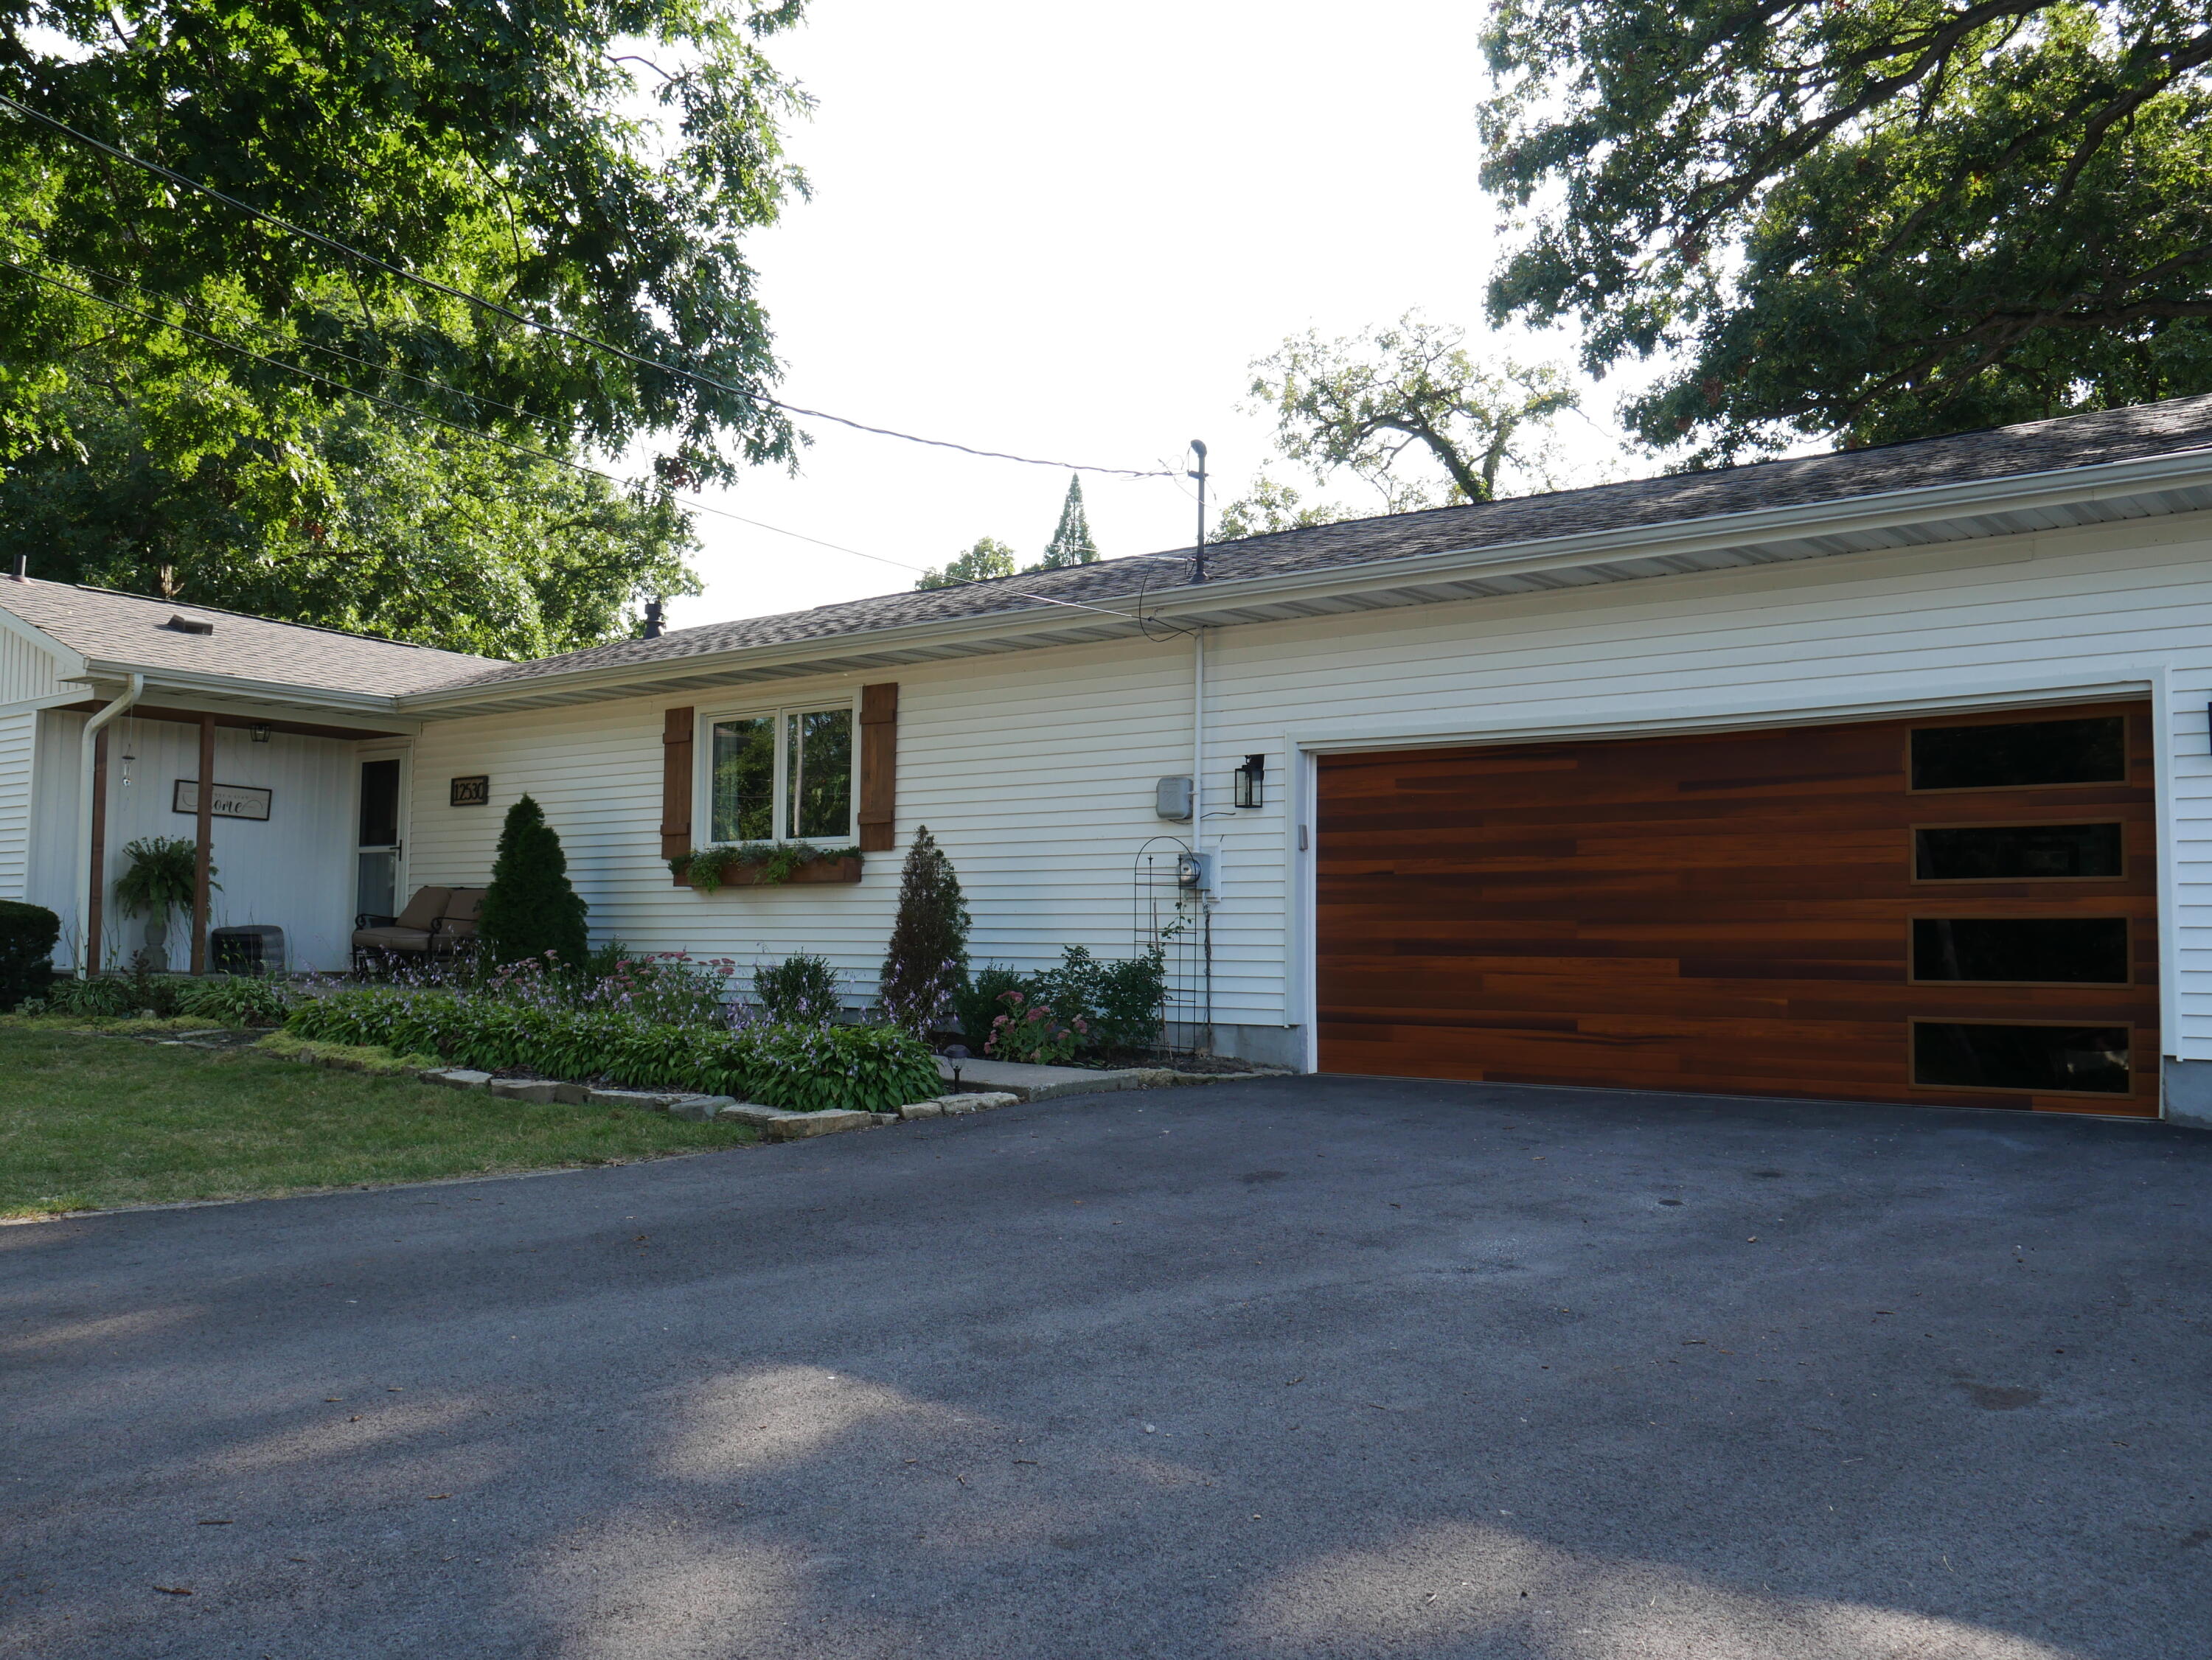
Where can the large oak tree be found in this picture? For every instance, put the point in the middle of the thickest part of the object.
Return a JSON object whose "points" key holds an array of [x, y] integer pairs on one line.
{"points": [[593, 163], [1869, 219]]}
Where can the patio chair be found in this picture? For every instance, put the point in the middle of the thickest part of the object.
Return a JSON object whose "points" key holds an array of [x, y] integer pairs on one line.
{"points": [[407, 935], [454, 934]]}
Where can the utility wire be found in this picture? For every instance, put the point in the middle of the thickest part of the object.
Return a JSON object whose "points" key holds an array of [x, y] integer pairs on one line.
{"points": [[1145, 623], [425, 414], [752, 395]]}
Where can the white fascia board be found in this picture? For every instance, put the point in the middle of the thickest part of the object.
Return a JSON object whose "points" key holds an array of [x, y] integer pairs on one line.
{"points": [[71, 663], [1888, 509]]}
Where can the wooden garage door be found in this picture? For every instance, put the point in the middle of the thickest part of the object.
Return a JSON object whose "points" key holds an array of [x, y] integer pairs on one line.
{"points": [[1954, 909]]}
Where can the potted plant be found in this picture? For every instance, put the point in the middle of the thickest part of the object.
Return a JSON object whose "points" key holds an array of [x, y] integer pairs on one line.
{"points": [[161, 878]]}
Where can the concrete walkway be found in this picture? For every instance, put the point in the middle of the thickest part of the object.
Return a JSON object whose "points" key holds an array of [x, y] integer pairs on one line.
{"points": [[1306, 1368]]}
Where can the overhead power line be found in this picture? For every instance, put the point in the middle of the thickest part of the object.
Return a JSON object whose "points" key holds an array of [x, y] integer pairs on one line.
{"points": [[1145, 623], [398, 408], [159, 171]]}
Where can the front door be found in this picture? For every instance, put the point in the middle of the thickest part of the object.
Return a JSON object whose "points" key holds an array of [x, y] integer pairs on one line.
{"points": [[376, 858]]}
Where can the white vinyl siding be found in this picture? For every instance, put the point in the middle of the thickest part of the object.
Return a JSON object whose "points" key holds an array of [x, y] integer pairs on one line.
{"points": [[28, 670], [18, 740], [1035, 769], [295, 870]]}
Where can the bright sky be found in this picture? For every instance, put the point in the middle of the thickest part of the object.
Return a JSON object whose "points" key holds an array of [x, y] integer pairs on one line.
{"points": [[1065, 232]]}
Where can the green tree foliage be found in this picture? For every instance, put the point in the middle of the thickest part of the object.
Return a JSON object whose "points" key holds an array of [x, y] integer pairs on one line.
{"points": [[435, 536], [1391, 405], [1071, 543], [927, 962], [585, 163], [529, 908], [988, 558], [1876, 221], [1269, 506]]}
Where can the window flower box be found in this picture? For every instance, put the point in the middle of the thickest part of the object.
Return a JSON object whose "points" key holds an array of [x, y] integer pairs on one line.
{"points": [[771, 865]]}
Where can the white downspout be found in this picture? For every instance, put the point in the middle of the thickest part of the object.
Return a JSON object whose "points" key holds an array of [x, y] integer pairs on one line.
{"points": [[85, 874]]}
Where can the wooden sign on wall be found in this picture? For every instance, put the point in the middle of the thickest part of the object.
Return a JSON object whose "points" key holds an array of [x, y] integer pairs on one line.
{"points": [[232, 801]]}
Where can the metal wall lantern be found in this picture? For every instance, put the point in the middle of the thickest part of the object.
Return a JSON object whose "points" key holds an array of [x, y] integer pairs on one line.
{"points": [[259, 733], [1249, 777]]}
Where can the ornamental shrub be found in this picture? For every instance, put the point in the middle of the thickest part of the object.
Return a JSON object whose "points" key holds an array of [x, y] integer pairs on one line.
{"points": [[28, 934], [1122, 1002], [804, 1069], [1033, 1032], [530, 910], [927, 962], [235, 1000], [800, 990], [811, 1069], [976, 1004]]}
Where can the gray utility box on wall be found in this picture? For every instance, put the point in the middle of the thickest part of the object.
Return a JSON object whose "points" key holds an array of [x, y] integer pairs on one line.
{"points": [[1171, 798]]}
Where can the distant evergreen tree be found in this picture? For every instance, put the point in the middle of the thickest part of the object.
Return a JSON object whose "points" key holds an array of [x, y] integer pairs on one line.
{"points": [[928, 958], [988, 558], [1071, 543], [530, 907]]}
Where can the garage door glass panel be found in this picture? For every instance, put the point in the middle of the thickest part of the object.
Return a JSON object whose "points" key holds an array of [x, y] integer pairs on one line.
{"points": [[2017, 756], [2016, 852], [2050, 950], [2045, 1059]]}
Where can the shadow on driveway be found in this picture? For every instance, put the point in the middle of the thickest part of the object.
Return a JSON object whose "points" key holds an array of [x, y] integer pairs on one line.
{"points": [[1302, 1367]]}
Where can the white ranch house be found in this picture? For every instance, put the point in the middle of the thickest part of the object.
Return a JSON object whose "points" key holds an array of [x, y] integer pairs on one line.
{"points": [[1881, 775]]}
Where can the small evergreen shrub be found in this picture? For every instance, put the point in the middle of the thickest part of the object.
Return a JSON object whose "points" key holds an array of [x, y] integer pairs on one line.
{"points": [[800, 990], [530, 909], [28, 934], [926, 961]]}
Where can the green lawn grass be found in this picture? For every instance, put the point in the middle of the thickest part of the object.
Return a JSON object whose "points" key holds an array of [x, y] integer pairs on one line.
{"points": [[89, 1122]]}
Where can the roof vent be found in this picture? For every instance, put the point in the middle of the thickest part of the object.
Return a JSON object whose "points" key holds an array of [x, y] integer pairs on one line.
{"points": [[185, 625]]}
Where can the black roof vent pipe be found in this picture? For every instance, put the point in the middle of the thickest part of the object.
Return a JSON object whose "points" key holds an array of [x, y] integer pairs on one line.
{"points": [[653, 618]]}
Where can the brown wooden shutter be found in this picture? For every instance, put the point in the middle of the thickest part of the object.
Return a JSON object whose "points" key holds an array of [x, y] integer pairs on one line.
{"points": [[676, 782], [879, 767]]}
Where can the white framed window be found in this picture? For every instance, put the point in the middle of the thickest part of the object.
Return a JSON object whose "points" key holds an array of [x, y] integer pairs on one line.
{"points": [[788, 774]]}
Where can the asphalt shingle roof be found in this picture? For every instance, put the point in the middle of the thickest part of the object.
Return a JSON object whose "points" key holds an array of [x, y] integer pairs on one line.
{"points": [[2088, 440], [133, 630]]}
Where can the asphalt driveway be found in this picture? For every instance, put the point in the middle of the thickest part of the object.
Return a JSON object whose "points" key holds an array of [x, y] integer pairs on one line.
{"points": [[1301, 1368]]}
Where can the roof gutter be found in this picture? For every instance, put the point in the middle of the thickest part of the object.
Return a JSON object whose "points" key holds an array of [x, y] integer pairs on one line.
{"points": [[1886, 510], [236, 687]]}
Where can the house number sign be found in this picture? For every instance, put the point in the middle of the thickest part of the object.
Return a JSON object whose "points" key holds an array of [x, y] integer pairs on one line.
{"points": [[231, 801], [472, 792]]}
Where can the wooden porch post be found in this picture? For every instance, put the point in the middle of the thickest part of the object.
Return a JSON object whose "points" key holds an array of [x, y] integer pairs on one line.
{"points": [[97, 888], [204, 852]]}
